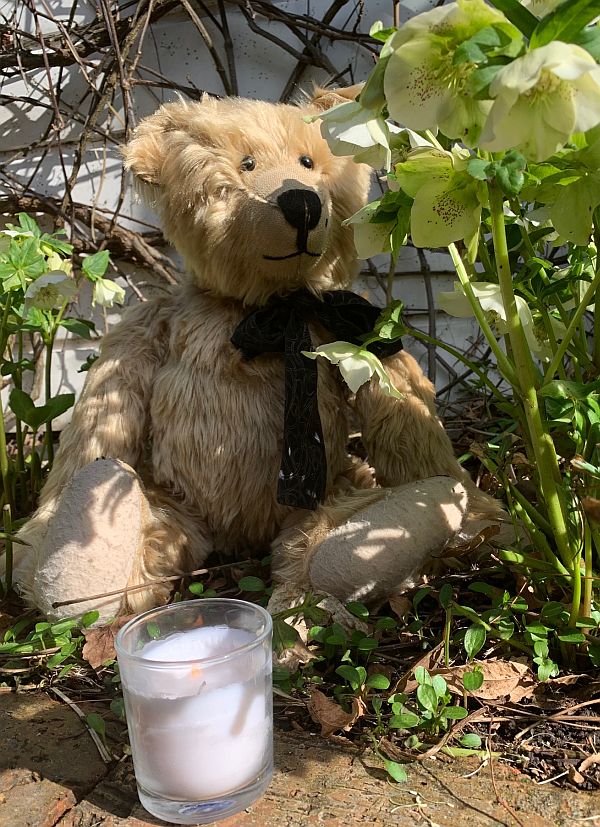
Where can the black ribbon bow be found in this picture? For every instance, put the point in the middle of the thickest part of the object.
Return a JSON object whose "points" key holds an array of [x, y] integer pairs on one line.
{"points": [[282, 327]]}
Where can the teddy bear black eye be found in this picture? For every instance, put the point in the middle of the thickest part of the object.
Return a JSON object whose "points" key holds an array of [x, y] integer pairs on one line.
{"points": [[248, 163], [306, 161]]}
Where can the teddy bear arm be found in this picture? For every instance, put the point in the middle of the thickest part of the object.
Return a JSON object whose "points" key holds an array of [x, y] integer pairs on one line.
{"points": [[404, 438]]}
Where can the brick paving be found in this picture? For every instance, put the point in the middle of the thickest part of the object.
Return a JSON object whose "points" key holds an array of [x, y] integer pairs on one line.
{"points": [[51, 775]]}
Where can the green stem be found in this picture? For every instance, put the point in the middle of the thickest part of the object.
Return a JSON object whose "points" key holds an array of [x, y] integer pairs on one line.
{"points": [[588, 583], [576, 586], [447, 626], [48, 383], [4, 470], [542, 446], [503, 363], [8, 546], [572, 328]]}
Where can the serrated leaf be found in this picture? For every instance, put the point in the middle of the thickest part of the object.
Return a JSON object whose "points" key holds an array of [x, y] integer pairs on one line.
{"points": [[565, 22], [95, 266], [518, 15]]}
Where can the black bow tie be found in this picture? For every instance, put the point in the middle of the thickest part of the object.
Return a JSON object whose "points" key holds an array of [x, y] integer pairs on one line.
{"points": [[282, 327]]}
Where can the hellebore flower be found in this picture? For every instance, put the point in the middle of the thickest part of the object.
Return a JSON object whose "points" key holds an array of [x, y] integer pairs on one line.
{"points": [[541, 99], [425, 88], [446, 206], [490, 298], [50, 291], [370, 238], [356, 365], [351, 129], [107, 292]]}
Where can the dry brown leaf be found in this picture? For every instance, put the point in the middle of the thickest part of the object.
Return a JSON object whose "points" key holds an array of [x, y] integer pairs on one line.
{"points": [[462, 549], [587, 762], [99, 643], [574, 776], [330, 715], [400, 605], [502, 680], [591, 506], [429, 661]]}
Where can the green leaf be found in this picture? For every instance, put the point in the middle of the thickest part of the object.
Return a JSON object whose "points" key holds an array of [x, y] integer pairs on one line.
{"points": [[96, 722], [480, 169], [57, 405], [404, 720], [80, 327], [510, 172], [350, 674], [474, 640], [384, 624], [378, 682], [445, 596], [395, 770], [95, 266], [427, 697], [478, 81], [23, 408], [589, 39], [519, 16], [117, 707], [572, 637], [358, 610], [251, 584], [471, 740], [565, 22], [439, 685], [284, 635], [196, 588], [546, 668], [422, 676], [473, 680], [381, 33], [153, 630], [89, 617], [455, 713]]}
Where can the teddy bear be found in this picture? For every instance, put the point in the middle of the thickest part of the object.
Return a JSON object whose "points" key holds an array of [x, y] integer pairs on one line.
{"points": [[203, 426]]}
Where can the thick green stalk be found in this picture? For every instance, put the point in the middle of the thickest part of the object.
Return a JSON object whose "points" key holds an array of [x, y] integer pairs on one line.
{"points": [[525, 386], [8, 547], [588, 583], [4, 470]]}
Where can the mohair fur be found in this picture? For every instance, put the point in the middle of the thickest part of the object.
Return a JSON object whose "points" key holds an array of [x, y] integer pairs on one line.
{"points": [[175, 400]]}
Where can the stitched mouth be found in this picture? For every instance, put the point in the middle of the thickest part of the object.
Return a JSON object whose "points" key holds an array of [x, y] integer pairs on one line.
{"points": [[292, 255]]}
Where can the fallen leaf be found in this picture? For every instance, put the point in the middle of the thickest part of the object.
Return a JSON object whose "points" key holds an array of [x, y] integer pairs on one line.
{"points": [[406, 683], [462, 549], [400, 605], [99, 643], [575, 776], [330, 715], [502, 680], [587, 762], [591, 506]]}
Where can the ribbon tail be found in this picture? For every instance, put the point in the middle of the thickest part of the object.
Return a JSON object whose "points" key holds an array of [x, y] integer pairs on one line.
{"points": [[303, 472]]}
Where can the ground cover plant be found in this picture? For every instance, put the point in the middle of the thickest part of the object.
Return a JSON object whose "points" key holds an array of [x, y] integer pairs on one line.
{"points": [[497, 161]]}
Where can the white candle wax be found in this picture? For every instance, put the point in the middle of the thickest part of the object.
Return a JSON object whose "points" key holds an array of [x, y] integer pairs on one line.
{"points": [[198, 731]]}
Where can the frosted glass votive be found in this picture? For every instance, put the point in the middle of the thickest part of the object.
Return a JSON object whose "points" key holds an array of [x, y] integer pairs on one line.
{"points": [[197, 687]]}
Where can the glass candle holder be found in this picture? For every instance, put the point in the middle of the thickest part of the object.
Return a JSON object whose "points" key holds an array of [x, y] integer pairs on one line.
{"points": [[197, 687]]}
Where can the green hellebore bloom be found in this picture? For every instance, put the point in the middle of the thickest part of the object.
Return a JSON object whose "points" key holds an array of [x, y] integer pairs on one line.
{"points": [[424, 87], [356, 365], [447, 204], [50, 291], [107, 292], [541, 99]]}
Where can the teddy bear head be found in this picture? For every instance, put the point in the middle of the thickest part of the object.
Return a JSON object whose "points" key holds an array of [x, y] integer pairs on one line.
{"points": [[250, 194]]}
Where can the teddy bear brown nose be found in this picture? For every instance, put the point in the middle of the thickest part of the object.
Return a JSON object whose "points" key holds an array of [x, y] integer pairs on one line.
{"points": [[301, 208]]}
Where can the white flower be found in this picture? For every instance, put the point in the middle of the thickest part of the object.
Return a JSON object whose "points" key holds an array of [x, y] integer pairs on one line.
{"points": [[351, 129], [50, 291], [356, 365], [370, 239], [490, 299], [541, 99], [107, 292], [424, 87]]}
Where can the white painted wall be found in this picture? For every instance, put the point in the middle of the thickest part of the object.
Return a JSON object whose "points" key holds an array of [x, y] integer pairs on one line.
{"points": [[172, 49]]}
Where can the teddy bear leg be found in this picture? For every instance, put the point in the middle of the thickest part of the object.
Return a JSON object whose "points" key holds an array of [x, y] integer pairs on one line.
{"points": [[102, 538], [367, 545]]}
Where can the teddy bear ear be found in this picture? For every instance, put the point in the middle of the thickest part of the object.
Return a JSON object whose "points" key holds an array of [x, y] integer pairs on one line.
{"points": [[145, 153], [323, 99]]}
